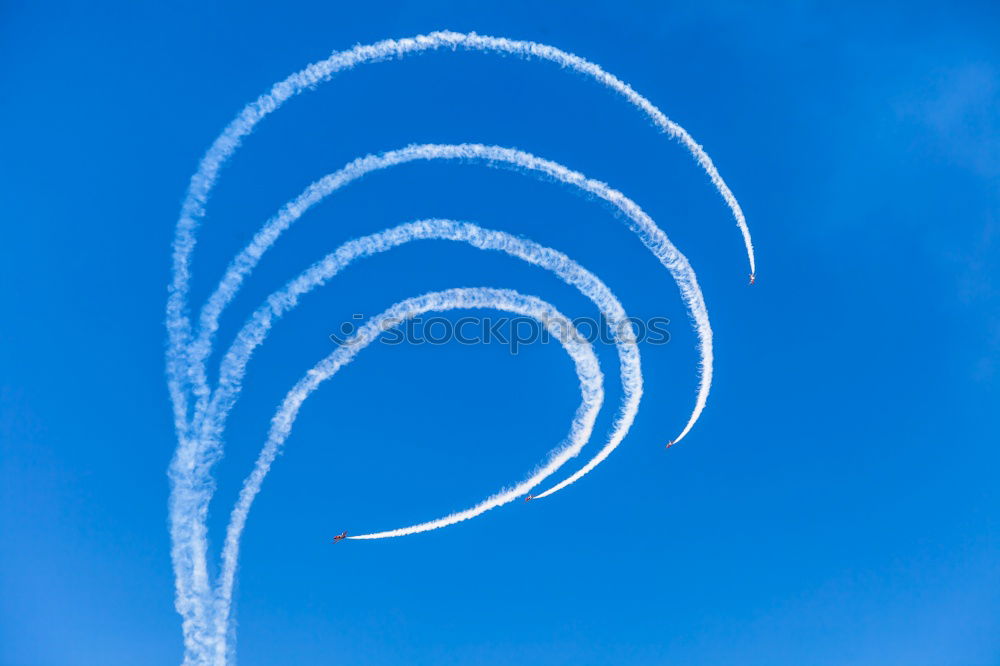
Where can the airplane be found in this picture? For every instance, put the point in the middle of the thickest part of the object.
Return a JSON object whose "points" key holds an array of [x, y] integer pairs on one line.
{"points": [[752, 278], [529, 498], [670, 443], [342, 535]]}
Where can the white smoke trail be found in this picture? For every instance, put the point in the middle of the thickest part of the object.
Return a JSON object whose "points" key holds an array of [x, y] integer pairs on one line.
{"points": [[233, 366], [639, 222], [199, 423], [587, 370], [230, 139], [254, 332]]}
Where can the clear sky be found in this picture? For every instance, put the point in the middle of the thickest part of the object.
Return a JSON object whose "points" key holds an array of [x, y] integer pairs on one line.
{"points": [[838, 501]]}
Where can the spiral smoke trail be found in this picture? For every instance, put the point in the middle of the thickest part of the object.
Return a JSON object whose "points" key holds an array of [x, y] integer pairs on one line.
{"points": [[201, 410]]}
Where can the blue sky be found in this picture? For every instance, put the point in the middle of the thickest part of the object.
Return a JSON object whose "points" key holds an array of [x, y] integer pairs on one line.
{"points": [[836, 504]]}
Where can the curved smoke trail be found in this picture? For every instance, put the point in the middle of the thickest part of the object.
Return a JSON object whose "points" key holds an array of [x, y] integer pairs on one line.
{"points": [[200, 410], [587, 370], [638, 222], [253, 333]]}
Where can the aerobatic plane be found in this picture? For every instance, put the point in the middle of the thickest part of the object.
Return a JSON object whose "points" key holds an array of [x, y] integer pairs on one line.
{"points": [[342, 535], [529, 497], [752, 278]]}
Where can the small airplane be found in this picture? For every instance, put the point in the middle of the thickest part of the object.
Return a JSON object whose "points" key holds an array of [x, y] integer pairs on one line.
{"points": [[670, 443], [529, 498], [342, 535], [753, 278]]}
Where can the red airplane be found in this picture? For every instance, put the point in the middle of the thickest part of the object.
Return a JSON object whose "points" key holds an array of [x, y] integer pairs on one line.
{"points": [[752, 278], [670, 443], [342, 535], [529, 498]]}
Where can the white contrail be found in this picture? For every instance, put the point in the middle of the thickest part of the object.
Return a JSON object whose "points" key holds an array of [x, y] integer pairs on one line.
{"points": [[579, 349], [639, 222], [233, 366], [227, 142], [247, 259], [199, 411], [253, 333]]}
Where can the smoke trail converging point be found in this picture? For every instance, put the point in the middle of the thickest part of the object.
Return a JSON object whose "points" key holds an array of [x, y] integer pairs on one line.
{"points": [[201, 410]]}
